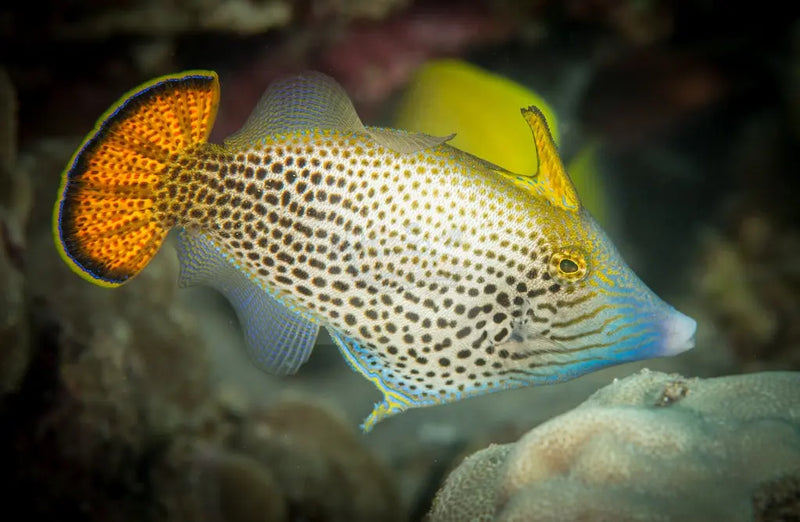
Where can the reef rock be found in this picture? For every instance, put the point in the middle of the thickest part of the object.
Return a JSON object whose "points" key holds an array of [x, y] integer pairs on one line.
{"points": [[309, 451], [292, 461], [15, 205], [750, 284], [651, 446], [94, 19]]}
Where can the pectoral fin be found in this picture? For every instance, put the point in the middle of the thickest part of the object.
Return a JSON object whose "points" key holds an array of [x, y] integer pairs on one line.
{"points": [[279, 338]]}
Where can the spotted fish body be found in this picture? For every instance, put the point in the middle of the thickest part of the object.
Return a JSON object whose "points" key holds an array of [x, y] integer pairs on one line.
{"points": [[438, 275]]}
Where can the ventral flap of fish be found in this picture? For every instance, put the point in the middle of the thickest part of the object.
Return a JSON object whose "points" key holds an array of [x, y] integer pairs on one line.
{"points": [[438, 274]]}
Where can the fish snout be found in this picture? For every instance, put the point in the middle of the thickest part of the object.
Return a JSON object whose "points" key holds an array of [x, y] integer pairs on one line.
{"points": [[678, 331]]}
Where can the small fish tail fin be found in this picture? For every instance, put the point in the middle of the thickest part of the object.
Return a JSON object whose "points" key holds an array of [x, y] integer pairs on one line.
{"points": [[111, 216]]}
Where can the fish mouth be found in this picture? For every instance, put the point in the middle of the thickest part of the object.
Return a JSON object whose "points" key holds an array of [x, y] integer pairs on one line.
{"points": [[678, 332]]}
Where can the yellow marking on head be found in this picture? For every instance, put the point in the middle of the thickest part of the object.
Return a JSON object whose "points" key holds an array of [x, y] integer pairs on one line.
{"points": [[608, 281]]}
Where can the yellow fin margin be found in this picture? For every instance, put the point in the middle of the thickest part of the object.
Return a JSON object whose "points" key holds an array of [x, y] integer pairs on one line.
{"points": [[106, 223], [551, 176]]}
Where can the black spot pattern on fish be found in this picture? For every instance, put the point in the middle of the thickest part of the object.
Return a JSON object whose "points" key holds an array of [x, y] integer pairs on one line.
{"points": [[395, 250]]}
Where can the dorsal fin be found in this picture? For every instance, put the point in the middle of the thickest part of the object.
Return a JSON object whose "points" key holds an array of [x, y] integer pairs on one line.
{"points": [[308, 101], [315, 101], [406, 142], [551, 176]]}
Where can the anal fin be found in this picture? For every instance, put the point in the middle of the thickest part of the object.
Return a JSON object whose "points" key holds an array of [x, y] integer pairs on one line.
{"points": [[368, 365], [279, 338]]}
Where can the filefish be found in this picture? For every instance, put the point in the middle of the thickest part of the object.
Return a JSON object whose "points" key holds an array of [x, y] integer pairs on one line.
{"points": [[439, 275]]}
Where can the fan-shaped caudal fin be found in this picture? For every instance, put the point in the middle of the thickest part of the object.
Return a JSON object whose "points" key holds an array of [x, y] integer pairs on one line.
{"points": [[107, 223]]}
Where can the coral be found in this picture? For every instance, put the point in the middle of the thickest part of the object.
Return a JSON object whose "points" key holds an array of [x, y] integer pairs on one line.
{"points": [[637, 24], [752, 289], [291, 461], [372, 61], [778, 499], [15, 206], [245, 490], [168, 18], [648, 447], [99, 19], [308, 451], [477, 480], [747, 270], [201, 479]]}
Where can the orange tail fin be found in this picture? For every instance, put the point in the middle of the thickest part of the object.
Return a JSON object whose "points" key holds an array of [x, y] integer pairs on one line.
{"points": [[106, 221]]}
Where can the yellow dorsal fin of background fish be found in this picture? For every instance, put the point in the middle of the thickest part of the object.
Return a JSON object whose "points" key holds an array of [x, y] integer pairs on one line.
{"points": [[483, 109]]}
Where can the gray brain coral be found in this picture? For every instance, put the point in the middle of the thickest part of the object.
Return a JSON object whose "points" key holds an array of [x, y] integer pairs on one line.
{"points": [[648, 447]]}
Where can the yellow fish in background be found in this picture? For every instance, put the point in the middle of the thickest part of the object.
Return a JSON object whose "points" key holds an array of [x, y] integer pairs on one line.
{"points": [[439, 275], [482, 108]]}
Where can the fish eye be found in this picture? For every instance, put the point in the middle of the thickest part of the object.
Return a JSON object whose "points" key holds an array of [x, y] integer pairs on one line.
{"points": [[568, 265]]}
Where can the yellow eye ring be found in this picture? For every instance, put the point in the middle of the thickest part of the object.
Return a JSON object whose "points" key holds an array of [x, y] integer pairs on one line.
{"points": [[568, 265]]}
